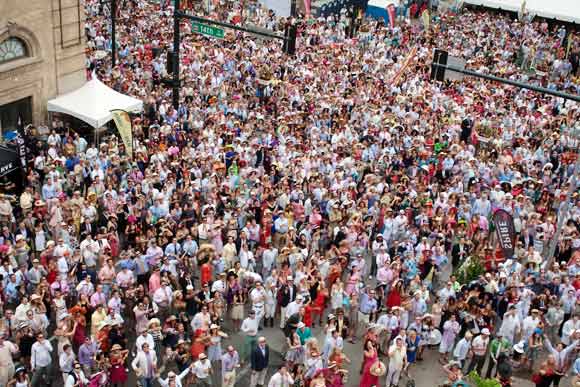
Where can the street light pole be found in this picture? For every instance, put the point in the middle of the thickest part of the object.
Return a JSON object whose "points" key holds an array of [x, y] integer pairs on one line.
{"points": [[176, 44], [113, 33]]}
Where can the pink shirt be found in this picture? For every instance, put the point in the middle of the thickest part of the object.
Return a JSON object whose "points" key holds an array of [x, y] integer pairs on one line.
{"points": [[154, 282], [125, 278], [98, 299]]}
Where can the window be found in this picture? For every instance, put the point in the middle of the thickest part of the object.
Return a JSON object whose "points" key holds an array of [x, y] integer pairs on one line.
{"points": [[12, 49]]}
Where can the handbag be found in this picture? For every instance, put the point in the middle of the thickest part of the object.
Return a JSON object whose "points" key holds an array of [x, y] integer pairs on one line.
{"points": [[537, 378]]}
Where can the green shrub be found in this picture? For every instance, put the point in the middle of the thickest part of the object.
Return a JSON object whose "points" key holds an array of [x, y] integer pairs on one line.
{"points": [[470, 270]]}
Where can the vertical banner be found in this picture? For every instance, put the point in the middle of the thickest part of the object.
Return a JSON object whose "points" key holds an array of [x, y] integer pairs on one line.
{"points": [[506, 233], [21, 148], [392, 15], [307, 5], [124, 125], [426, 17], [522, 11]]}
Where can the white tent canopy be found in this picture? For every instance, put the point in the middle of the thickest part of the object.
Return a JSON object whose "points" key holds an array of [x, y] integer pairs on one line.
{"points": [[93, 103], [564, 10]]}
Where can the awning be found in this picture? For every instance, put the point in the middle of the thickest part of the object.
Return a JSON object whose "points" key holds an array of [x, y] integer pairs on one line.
{"points": [[93, 102], [564, 10]]}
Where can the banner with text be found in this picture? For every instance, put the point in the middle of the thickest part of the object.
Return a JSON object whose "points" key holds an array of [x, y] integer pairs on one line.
{"points": [[124, 125], [506, 233]]}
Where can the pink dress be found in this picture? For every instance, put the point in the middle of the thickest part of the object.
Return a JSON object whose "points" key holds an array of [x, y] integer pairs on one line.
{"points": [[352, 282], [367, 379]]}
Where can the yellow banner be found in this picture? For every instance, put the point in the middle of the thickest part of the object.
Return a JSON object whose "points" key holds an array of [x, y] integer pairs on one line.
{"points": [[426, 16], [123, 122]]}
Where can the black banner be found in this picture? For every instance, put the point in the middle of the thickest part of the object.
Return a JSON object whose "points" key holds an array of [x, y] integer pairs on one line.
{"points": [[21, 147], [506, 233]]}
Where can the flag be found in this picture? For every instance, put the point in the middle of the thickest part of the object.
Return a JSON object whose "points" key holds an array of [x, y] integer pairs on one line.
{"points": [[125, 127], [426, 18], [392, 14], [404, 66]]}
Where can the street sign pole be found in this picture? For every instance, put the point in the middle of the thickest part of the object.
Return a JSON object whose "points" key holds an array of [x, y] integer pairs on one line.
{"points": [[176, 44]]}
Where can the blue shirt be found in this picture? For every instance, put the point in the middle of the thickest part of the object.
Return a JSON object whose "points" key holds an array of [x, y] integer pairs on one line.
{"points": [[367, 304], [576, 367]]}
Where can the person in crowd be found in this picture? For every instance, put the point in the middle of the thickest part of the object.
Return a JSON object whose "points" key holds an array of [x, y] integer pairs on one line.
{"points": [[260, 359], [334, 182]]}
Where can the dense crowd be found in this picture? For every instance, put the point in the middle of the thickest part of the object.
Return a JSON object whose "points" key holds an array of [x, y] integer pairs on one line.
{"points": [[332, 191]]}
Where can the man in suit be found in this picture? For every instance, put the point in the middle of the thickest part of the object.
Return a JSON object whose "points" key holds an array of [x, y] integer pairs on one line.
{"points": [[287, 295], [341, 323], [459, 253], [87, 228], [259, 359]]}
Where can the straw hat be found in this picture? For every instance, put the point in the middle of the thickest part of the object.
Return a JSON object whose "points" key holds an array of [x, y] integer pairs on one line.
{"points": [[378, 369]]}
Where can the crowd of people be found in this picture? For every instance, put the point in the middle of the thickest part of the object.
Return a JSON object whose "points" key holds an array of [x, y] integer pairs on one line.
{"points": [[338, 194]]}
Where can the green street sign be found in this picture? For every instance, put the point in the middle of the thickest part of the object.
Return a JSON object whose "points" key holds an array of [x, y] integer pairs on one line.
{"points": [[206, 30]]}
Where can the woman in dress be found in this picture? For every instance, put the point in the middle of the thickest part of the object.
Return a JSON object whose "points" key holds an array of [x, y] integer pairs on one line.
{"points": [[450, 330], [395, 295], [336, 295], [370, 357], [218, 307], [214, 349], [79, 329], [353, 317], [412, 342], [535, 345], [118, 373], [295, 354], [237, 309], [64, 331], [436, 312], [353, 280]]}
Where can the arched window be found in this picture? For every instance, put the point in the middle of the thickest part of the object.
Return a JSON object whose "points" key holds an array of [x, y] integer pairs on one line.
{"points": [[12, 49]]}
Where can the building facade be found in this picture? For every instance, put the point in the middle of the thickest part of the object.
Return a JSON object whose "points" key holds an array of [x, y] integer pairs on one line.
{"points": [[42, 45]]}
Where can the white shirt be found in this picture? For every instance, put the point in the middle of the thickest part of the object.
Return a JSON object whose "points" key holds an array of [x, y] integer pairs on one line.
{"points": [[293, 308], [279, 380], [462, 349], [178, 379], [250, 326], [70, 380], [219, 286], [258, 296], [163, 296], [66, 362], [479, 345], [201, 368], [41, 354]]}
